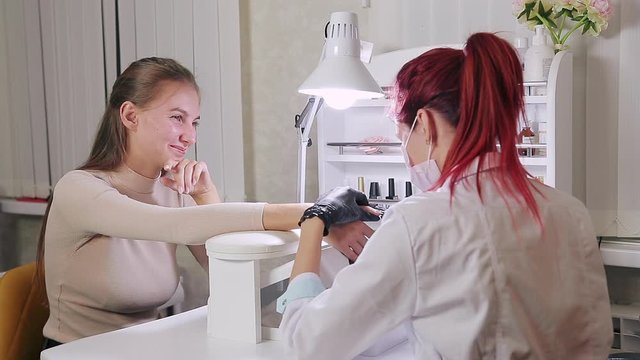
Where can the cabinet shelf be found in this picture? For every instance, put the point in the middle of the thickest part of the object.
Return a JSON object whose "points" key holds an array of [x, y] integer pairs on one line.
{"points": [[13, 206], [533, 160], [397, 159], [620, 253], [535, 99], [630, 311], [535, 83], [384, 159]]}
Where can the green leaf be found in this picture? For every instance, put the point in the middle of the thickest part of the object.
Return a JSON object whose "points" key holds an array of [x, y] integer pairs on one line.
{"points": [[541, 8], [523, 13], [586, 27], [552, 24], [548, 13], [563, 12]]}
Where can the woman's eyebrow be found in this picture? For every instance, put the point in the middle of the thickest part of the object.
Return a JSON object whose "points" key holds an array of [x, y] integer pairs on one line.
{"points": [[184, 112]]}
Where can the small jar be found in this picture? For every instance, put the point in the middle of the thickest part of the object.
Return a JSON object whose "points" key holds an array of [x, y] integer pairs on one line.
{"points": [[528, 138]]}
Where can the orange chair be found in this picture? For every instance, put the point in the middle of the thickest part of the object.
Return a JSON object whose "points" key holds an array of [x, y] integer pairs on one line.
{"points": [[23, 314]]}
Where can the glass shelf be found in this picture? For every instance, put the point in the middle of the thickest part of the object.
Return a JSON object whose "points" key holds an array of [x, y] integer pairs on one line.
{"points": [[342, 145], [535, 83], [388, 159], [533, 160], [535, 99]]}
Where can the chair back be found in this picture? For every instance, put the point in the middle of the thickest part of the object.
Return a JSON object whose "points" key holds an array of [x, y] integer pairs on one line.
{"points": [[23, 312]]}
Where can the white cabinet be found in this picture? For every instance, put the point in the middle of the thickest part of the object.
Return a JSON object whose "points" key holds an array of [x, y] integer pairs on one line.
{"points": [[342, 158], [626, 328], [549, 110]]}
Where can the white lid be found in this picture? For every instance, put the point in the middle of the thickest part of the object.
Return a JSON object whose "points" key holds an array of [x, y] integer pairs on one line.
{"points": [[540, 38], [521, 43]]}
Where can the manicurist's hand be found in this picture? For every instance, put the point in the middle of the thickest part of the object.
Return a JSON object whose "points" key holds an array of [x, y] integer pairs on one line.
{"points": [[350, 238], [342, 205], [191, 177]]}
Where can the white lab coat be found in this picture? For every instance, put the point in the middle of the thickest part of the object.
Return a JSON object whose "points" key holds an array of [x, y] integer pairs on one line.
{"points": [[471, 280]]}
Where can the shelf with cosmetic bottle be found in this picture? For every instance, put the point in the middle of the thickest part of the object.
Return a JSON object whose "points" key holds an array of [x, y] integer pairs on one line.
{"points": [[366, 152], [391, 159], [358, 146]]}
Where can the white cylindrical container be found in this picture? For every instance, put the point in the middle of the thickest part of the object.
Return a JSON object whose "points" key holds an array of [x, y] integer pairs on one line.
{"points": [[538, 58], [521, 44], [542, 132]]}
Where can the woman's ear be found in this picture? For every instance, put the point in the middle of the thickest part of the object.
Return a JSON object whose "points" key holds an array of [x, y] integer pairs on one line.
{"points": [[128, 115], [426, 125]]}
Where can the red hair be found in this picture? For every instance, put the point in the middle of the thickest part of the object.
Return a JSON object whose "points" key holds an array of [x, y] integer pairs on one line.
{"points": [[479, 91]]}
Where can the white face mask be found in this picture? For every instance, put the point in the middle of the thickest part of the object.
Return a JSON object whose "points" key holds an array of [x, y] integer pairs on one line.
{"points": [[425, 174]]}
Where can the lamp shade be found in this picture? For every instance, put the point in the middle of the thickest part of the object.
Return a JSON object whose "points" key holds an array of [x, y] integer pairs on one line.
{"points": [[341, 78]]}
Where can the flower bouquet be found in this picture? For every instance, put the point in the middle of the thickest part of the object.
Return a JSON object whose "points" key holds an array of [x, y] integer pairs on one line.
{"points": [[592, 16]]}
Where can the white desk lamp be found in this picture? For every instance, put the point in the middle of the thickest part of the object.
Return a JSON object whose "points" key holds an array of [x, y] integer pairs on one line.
{"points": [[235, 272], [339, 80]]}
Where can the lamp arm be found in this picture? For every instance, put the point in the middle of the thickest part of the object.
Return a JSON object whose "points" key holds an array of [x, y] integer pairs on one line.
{"points": [[303, 124]]}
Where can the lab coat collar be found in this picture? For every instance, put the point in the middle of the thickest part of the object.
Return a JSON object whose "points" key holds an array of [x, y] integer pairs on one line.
{"points": [[491, 161]]}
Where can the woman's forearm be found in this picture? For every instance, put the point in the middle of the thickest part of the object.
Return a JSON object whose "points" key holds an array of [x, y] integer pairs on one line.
{"points": [[309, 248], [282, 216]]}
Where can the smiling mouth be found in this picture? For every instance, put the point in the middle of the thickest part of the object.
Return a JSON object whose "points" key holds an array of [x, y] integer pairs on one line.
{"points": [[181, 150]]}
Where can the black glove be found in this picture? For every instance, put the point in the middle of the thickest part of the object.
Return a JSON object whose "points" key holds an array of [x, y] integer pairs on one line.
{"points": [[339, 206]]}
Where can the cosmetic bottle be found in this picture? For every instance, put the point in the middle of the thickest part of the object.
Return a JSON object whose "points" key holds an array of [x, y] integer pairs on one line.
{"points": [[408, 189], [374, 190], [538, 58], [392, 189], [521, 44]]}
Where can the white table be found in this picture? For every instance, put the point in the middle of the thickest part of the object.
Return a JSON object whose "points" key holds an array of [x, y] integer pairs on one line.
{"points": [[182, 336]]}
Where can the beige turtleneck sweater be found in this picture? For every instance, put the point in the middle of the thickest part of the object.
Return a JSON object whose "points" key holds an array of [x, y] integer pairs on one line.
{"points": [[110, 248]]}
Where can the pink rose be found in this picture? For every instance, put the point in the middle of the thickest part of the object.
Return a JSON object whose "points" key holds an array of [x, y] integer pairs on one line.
{"points": [[602, 7]]}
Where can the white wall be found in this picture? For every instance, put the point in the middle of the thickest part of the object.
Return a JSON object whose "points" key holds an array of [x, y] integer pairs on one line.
{"points": [[281, 44], [613, 123]]}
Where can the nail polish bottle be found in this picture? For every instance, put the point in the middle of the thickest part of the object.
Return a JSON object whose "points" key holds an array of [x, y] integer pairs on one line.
{"points": [[361, 183], [408, 189], [374, 190], [392, 190]]}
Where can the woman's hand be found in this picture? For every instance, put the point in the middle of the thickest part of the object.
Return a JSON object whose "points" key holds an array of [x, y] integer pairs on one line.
{"points": [[341, 205], [350, 238], [191, 177]]}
